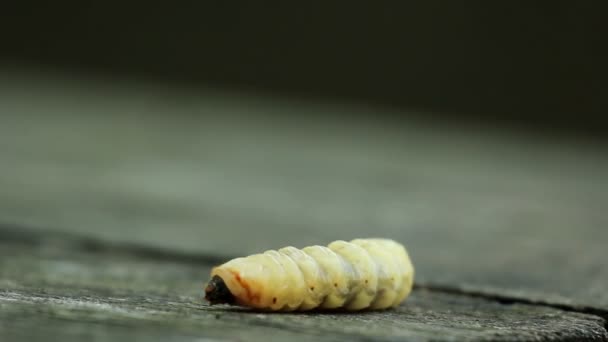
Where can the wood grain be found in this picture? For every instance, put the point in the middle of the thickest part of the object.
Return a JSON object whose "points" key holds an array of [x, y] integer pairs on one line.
{"points": [[53, 288], [225, 175]]}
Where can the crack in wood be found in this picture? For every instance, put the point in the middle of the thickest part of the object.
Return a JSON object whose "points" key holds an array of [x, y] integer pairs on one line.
{"points": [[509, 300], [75, 242], [19, 234]]}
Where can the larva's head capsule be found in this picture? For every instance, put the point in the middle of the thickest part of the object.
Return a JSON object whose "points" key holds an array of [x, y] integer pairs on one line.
{"points": [[242, 282], [217, 292]]}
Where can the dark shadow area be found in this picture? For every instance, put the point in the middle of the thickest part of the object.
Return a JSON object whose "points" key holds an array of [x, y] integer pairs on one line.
{"points": [[539, 65]]}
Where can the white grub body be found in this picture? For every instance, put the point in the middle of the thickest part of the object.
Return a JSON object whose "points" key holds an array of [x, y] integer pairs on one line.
{"points": [[361, 274]]}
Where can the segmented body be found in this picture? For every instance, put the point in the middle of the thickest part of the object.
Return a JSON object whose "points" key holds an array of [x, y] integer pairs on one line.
{"points": [[355, 275]]}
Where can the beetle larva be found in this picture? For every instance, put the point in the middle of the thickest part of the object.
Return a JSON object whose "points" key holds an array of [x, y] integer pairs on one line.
{"points": [[355, 275]]}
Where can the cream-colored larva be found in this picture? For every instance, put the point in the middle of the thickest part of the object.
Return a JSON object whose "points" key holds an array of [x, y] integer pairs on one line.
{"points": [[356, 275]]}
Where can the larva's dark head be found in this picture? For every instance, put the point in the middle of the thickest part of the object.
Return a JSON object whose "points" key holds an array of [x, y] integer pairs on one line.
{"points": [[217, 292]]}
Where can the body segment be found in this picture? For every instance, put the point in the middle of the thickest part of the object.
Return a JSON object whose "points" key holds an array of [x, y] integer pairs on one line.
{"points": [[355, 275]]}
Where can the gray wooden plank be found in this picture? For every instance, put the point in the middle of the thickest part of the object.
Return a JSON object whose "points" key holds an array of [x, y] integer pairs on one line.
{"points": [[53, 287], [230, 175]]}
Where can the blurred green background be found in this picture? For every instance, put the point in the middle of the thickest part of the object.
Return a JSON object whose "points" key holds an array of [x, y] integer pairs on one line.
{"points": [[229, 128]]}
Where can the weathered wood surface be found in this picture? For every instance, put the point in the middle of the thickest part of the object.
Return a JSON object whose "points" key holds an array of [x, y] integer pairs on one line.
{"points": [[61, 287], [480, 211]]}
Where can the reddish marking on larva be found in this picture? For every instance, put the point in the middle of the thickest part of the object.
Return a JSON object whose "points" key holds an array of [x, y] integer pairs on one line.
{"points": [[366, 257], [250, 296]]}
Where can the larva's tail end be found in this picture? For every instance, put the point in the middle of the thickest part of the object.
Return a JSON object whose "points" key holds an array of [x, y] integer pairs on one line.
{"points": [[217, 292]]}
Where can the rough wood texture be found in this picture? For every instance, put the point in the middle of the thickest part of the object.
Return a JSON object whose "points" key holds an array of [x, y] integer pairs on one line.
{"points": [[482, 212], [61, 288]]}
